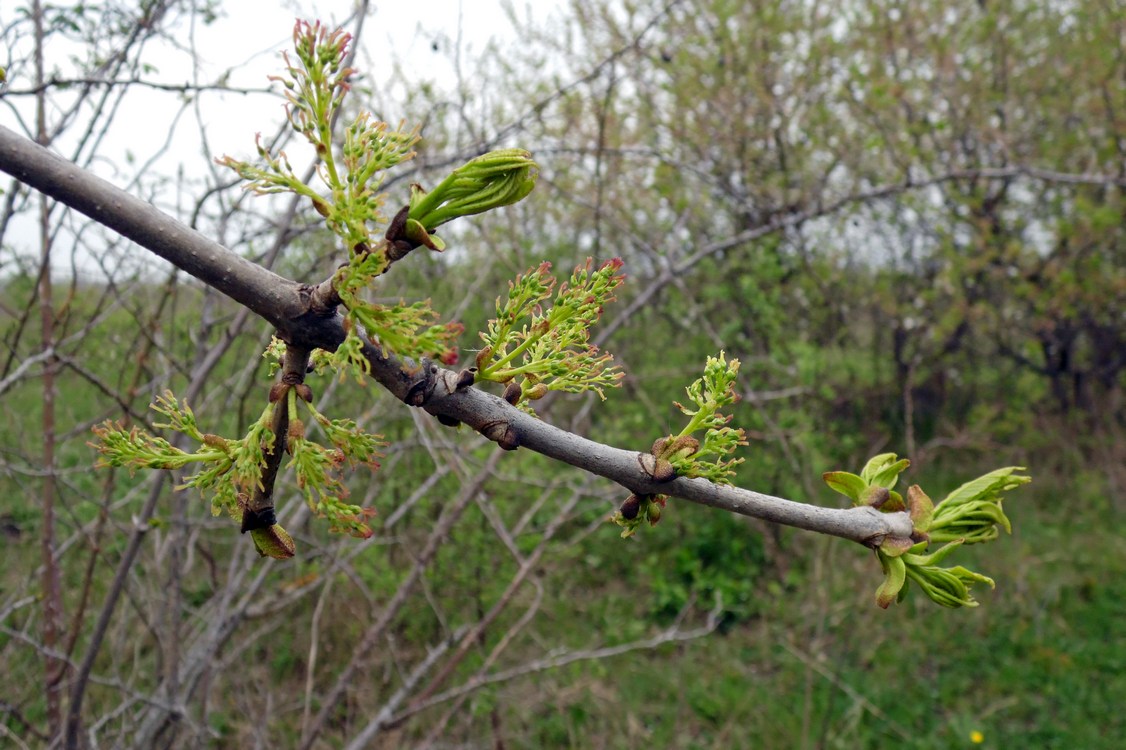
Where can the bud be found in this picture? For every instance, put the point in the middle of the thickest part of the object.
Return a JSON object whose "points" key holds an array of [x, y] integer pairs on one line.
{"points": [[513, 392], [304, 392], [498, 178], [630, 508], [278, 391], [273, 542], [658, 469], [508, 440], [502, 433]]}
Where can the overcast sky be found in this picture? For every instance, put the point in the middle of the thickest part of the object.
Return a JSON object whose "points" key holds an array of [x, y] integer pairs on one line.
{"points": [[245, 43]]}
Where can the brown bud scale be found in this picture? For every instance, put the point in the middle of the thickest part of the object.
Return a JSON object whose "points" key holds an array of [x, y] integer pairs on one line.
{"points": [[466, 378], [658, 469], [630, 508]]}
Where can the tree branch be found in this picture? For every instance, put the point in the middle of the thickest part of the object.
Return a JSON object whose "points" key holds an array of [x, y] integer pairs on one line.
{"points": [[271, 296], [286, 304]]}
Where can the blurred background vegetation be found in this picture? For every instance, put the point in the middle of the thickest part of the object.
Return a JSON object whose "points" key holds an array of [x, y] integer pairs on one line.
{"points": [[905, 218]]}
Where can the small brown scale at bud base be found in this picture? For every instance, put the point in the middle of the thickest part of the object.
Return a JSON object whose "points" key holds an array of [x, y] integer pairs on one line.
{"points": [[304, 392], [876, 496], [398, 250], [296, 430], [398, 224], [466, 378], [484, 356], [536, 392], [658, 469], [630, 508], [508, 440], [278, 391], [263, 518], [513, 392]]}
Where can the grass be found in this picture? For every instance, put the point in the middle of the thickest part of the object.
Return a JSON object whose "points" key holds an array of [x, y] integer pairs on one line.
{"points": [[1040, 664]]}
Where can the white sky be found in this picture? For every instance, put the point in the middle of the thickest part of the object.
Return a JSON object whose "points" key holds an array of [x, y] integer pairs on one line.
{"points": [[246, 41]]}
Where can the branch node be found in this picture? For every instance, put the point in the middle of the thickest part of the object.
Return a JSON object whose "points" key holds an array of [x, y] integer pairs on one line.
{"points": [[421, 390], [658, 469], [256, 518], [502, 433]]}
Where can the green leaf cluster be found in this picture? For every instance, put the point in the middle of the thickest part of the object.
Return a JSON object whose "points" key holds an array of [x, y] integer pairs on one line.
{"points": [[970, 514], [498, 178]]}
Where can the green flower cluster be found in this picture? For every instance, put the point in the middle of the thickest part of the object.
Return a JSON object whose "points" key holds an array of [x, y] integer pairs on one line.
{"points": [[550, 350], [231, 470], [228, 468], [319, 468], [315, 86], [684, 454]]}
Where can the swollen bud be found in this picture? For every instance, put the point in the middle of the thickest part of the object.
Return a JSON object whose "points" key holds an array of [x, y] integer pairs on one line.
{"points": [[658, 469], [273, 542], [630, 508]]}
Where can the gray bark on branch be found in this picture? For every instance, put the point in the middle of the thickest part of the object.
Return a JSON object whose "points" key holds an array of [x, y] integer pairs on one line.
{"points": [[291, 307]]}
